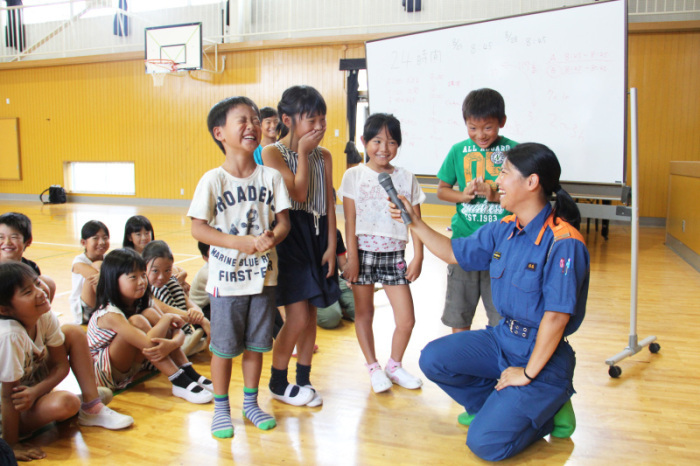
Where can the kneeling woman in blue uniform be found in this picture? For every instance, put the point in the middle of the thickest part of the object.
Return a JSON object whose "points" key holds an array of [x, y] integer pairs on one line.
{"points": [[515, 379]]}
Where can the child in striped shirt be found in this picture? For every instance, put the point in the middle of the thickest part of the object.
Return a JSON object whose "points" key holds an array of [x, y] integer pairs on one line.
{"points": [[125, 332], [170, 297]]}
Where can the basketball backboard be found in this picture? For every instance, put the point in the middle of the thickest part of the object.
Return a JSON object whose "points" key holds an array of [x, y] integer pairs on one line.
{"points": [[181, 43]]}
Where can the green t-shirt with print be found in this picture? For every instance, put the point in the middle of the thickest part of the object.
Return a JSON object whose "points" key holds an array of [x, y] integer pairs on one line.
{"points": [[463, 163]]}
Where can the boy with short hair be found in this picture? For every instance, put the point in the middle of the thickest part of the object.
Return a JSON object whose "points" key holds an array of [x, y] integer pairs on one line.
{"points": [[241, 210], [473, 165], [15, 238]]}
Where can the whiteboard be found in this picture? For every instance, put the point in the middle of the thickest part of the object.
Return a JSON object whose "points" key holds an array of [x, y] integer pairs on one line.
{"points": [[561, 72]]}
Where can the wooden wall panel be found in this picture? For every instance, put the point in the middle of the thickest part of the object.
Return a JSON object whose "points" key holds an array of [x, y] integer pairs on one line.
{"points": [[683, 221], [111, 111], [665, 69]]}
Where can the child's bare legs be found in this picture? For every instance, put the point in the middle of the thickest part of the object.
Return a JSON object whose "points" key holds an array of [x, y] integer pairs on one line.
{"points": [[187, 383], [296, 322], [364, 317], [56, 406], [80, 360], [92, 411], [123, 355], [307, 339], [404, 318], [50, 286], [88, 292]]}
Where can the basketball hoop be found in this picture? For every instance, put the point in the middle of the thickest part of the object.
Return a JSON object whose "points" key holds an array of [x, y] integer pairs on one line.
{"points": [[158, 68]]}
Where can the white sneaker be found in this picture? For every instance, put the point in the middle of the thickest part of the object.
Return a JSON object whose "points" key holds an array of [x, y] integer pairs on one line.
{"points": [[104, 393], [303, 397], [201, 397], [380, 382], [106, 418], [402, 378], [316, 400]]}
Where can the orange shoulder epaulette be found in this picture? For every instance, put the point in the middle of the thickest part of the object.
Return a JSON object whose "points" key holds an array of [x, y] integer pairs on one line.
{"points": [[508, 218], [561, 230]]}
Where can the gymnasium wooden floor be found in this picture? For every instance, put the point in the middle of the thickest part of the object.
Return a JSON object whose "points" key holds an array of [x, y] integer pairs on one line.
{"points": [[650, 415]]}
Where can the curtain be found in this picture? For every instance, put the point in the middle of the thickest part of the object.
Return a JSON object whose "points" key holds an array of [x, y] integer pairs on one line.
{"points": [[121, 21], [14, 31]]}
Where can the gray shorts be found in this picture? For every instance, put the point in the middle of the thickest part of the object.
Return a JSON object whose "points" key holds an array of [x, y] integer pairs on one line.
{"points": [[463, 292], [241, 323]]}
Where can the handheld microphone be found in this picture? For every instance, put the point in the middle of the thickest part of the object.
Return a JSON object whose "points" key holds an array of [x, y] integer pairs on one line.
{"points": [[388, 185]]}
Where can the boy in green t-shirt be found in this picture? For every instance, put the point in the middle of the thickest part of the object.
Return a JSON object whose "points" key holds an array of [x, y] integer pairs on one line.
{"points": [[473, 165]]}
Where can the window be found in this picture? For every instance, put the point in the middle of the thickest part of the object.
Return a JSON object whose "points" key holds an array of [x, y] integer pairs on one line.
{"points": [[100, 177]]}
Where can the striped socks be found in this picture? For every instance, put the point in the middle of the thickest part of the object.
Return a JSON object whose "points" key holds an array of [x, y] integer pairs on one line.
{"points": [[252, 411], [221, 425]]}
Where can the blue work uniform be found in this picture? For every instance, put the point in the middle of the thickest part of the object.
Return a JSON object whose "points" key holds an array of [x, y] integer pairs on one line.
{"points": [[541, 267]]}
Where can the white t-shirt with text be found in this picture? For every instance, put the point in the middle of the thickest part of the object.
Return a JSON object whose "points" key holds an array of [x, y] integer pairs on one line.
{"points": [[240, 206]]}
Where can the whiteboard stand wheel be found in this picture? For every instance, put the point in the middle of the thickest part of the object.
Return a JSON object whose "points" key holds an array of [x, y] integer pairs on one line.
{"points": [[654, 347], [615, 371]]}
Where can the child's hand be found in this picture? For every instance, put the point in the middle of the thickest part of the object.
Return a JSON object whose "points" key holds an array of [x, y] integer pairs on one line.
{"points": [[414, 269], [469, 192], [482, 188], [23, 397], [93, 279], [206, 326], [26, 452], [351, 270], [175, 320], [265, 241], [310, 141], [195, 316], [163, 348], [246, 244], [396, 213], [329, 258]]}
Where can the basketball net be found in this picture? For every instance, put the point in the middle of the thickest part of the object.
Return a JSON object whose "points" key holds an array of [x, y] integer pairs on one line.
{"points": [[158, 68]]}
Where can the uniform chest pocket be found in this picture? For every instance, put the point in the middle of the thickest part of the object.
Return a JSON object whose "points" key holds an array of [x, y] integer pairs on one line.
{"points": [[527, 281], [527, 287]]}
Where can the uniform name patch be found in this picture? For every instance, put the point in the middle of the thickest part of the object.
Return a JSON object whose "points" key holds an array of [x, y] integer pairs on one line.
{"points": [[496, 255], [531, 266]]}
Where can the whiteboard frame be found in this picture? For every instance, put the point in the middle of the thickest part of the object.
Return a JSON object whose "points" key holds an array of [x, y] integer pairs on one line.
{"points": [[624, 89]]}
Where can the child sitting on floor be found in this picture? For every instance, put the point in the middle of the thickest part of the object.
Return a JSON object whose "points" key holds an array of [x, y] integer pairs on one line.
{"points": [[125, 332], [36, 354], [169, 296], [94, 237]]}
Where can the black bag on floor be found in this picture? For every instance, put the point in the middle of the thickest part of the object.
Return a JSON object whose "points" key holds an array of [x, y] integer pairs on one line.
{"points": [[57, 195]]}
